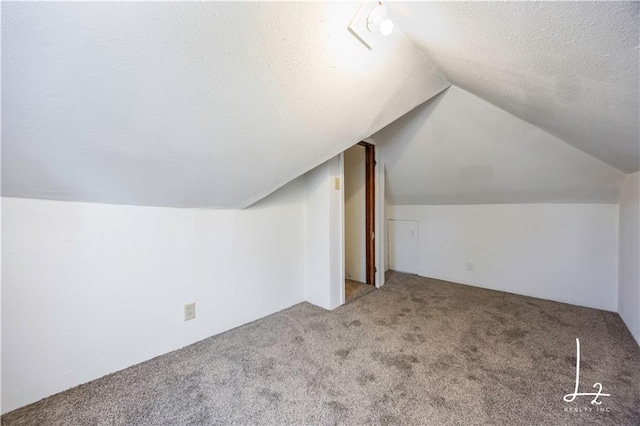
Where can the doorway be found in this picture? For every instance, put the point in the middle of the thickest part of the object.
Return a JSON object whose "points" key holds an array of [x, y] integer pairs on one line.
{"points": [[370, 211], [403, 246], [360, 220]]}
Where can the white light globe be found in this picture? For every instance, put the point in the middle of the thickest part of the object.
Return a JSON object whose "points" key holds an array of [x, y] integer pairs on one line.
{"points": [[386, 27]]}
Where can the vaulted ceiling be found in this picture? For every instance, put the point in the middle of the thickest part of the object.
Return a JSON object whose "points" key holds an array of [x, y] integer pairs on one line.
{"points": [[570, 68], [219, 104], [459, 149], [190, 104]]}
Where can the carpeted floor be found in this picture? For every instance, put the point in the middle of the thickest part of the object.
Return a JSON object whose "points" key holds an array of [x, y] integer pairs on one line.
{"points": [[355, 289], [417, 351]]}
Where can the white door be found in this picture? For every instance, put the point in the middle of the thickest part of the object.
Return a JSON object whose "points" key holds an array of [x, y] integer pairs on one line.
{"points": [[403, 246]]}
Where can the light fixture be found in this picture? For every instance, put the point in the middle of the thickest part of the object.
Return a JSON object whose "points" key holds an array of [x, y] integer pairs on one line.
{"points": [[378, 21], [371, 24]]}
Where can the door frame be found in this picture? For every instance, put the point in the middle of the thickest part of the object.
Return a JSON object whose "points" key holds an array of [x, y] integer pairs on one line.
{"points": [[370, 211]]}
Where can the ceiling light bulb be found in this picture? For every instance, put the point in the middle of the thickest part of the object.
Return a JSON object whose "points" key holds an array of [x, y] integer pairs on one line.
{"points": [[378, 21], [386, 27]]}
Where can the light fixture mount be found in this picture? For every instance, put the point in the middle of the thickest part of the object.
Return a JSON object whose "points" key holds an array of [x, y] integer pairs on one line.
{"points": [[371, 23], [378, 21]]}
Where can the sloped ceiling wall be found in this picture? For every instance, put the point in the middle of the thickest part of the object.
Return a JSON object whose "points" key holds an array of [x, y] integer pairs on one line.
{"points": [[459, 149], [570, 68], [219, 104], [190, 104]]}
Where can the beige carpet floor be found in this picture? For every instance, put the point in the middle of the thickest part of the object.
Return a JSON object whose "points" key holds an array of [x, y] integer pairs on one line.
{"points": [[416, 352], [355, 289]]}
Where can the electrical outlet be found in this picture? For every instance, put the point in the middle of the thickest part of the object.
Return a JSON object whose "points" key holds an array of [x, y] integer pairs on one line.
{"points": [[336, 183], [189, 311], [470, 266]]}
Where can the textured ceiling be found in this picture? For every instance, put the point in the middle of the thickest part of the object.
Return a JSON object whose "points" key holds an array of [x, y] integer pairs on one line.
{"points": [[218, 104], [459, 149], [190, 104], [570, 68]]}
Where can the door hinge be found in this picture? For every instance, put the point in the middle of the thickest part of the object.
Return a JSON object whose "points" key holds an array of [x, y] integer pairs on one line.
{"points": [[373, 235]]}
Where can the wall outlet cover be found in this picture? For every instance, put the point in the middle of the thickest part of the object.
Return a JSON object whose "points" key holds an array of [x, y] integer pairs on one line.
{"points": [[189, 311]]}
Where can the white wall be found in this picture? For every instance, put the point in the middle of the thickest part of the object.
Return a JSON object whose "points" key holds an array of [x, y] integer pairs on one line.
{"points": [[381, 220], [324, 244], [629, 272], [354, 214], [459, 149], [88, 289], [563, 252], [1, 275]]}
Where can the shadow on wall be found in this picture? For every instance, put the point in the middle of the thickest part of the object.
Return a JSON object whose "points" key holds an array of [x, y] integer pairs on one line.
{"points": [[354, 213], [401, 134], [285, 196], [459, 149]]}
